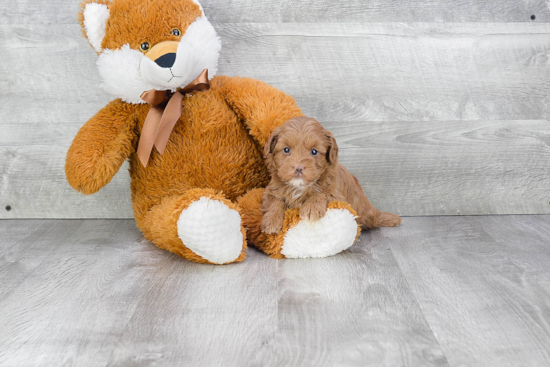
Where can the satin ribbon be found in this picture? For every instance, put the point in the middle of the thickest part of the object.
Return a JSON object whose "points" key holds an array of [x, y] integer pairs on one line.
{"points": [[165, 112]]}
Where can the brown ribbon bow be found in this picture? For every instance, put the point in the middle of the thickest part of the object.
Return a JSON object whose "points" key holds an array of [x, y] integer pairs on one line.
{"points": [[162, 117]]}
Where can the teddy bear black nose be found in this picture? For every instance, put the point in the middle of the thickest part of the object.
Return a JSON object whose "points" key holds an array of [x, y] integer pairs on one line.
{"points": [[166, 61]]}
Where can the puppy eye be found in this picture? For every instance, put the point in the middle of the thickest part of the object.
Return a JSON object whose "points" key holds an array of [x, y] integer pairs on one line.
{"points": [[145, 46], [286, 150], [176, 32], [314, 152]]}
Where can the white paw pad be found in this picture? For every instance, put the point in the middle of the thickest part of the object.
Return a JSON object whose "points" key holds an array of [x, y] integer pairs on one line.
{"points": [[211, 230], [332, 234]]}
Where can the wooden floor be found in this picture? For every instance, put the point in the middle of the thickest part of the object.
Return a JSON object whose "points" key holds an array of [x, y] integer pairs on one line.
{"points": [[438, 291]]}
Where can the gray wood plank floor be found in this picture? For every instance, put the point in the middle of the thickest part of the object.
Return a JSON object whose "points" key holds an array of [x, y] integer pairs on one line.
{"points": [[437, 291]]}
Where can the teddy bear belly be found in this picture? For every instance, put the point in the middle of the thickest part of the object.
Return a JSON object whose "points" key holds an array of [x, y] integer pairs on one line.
{"points": [[222, 157]]}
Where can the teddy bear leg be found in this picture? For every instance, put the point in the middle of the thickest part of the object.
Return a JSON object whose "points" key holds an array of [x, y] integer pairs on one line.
{"points": [[332, 234], [199, 225]]}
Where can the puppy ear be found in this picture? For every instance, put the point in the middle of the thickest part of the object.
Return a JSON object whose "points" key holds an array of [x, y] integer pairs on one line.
{"points": [[93, 18], [270, 145], [332, 151]]}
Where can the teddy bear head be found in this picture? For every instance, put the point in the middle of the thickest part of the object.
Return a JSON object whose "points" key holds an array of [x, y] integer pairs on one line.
{"points": [[149, 44]]}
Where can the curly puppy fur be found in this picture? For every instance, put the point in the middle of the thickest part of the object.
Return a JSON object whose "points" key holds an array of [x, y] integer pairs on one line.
{"points": [[302, 158]]}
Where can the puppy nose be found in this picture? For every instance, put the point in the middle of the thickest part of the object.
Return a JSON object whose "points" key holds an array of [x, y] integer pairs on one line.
{"points": [[299, 169], [166, 61]]}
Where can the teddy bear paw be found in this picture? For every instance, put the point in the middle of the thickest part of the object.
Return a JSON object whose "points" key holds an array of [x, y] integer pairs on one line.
{"points": [[211, 230], [333, 233]]}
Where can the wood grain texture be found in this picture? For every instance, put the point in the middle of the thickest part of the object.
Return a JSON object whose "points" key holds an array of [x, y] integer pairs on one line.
{"points": [[260, 11], [451, 167], [437, 291], [411, 168], [354, 309], [483, 285], [450, 102], [71, 309], [26, 245], [337, 72], [376, 11], [202, 315], [53, 66], [395, 71], [103, 297]]}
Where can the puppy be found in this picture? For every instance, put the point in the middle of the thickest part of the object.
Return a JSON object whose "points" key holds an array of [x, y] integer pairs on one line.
{"points": [[302, 158]]}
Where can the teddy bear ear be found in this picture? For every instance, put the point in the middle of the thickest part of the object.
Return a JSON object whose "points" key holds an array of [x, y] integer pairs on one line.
{"points": [[93, 18]]}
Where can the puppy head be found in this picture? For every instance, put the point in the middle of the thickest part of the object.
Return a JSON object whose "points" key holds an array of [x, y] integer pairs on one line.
{"points": [[300, 151]]}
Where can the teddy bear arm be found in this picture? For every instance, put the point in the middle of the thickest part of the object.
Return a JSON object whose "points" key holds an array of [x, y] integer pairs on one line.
{"points": [[100, 147], [261, 106]]}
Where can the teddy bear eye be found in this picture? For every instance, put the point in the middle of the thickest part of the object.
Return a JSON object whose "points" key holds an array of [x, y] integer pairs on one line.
{"points": [[145, 46], [286, 150], [176, 32], [314, 152]]}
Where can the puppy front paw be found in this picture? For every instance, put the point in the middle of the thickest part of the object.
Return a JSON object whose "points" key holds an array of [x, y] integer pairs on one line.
{"points": [[312, 211], [271, 224]]}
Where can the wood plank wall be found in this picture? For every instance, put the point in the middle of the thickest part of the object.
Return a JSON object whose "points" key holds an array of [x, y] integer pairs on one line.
{"points": [[439, 107]]}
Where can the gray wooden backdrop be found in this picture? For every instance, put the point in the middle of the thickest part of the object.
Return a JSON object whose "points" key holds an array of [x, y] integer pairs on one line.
{"points": [[440, 107]]}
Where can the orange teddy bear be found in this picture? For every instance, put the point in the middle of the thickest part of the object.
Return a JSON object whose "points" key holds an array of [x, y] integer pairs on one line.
{"points": [[195, 145]]}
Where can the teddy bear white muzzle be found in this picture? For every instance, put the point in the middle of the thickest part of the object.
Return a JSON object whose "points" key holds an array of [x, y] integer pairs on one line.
{"points": [[165, 66]]}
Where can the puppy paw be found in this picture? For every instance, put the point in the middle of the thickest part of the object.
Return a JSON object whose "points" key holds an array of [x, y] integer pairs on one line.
{"points": [[312, 211], [272, 225]]}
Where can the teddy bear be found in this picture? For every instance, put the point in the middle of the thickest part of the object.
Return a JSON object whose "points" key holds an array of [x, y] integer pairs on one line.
{"points": [[194, 140]]}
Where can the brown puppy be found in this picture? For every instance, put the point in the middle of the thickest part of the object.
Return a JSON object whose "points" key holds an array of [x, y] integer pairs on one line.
{"points": [[302, 158]]}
